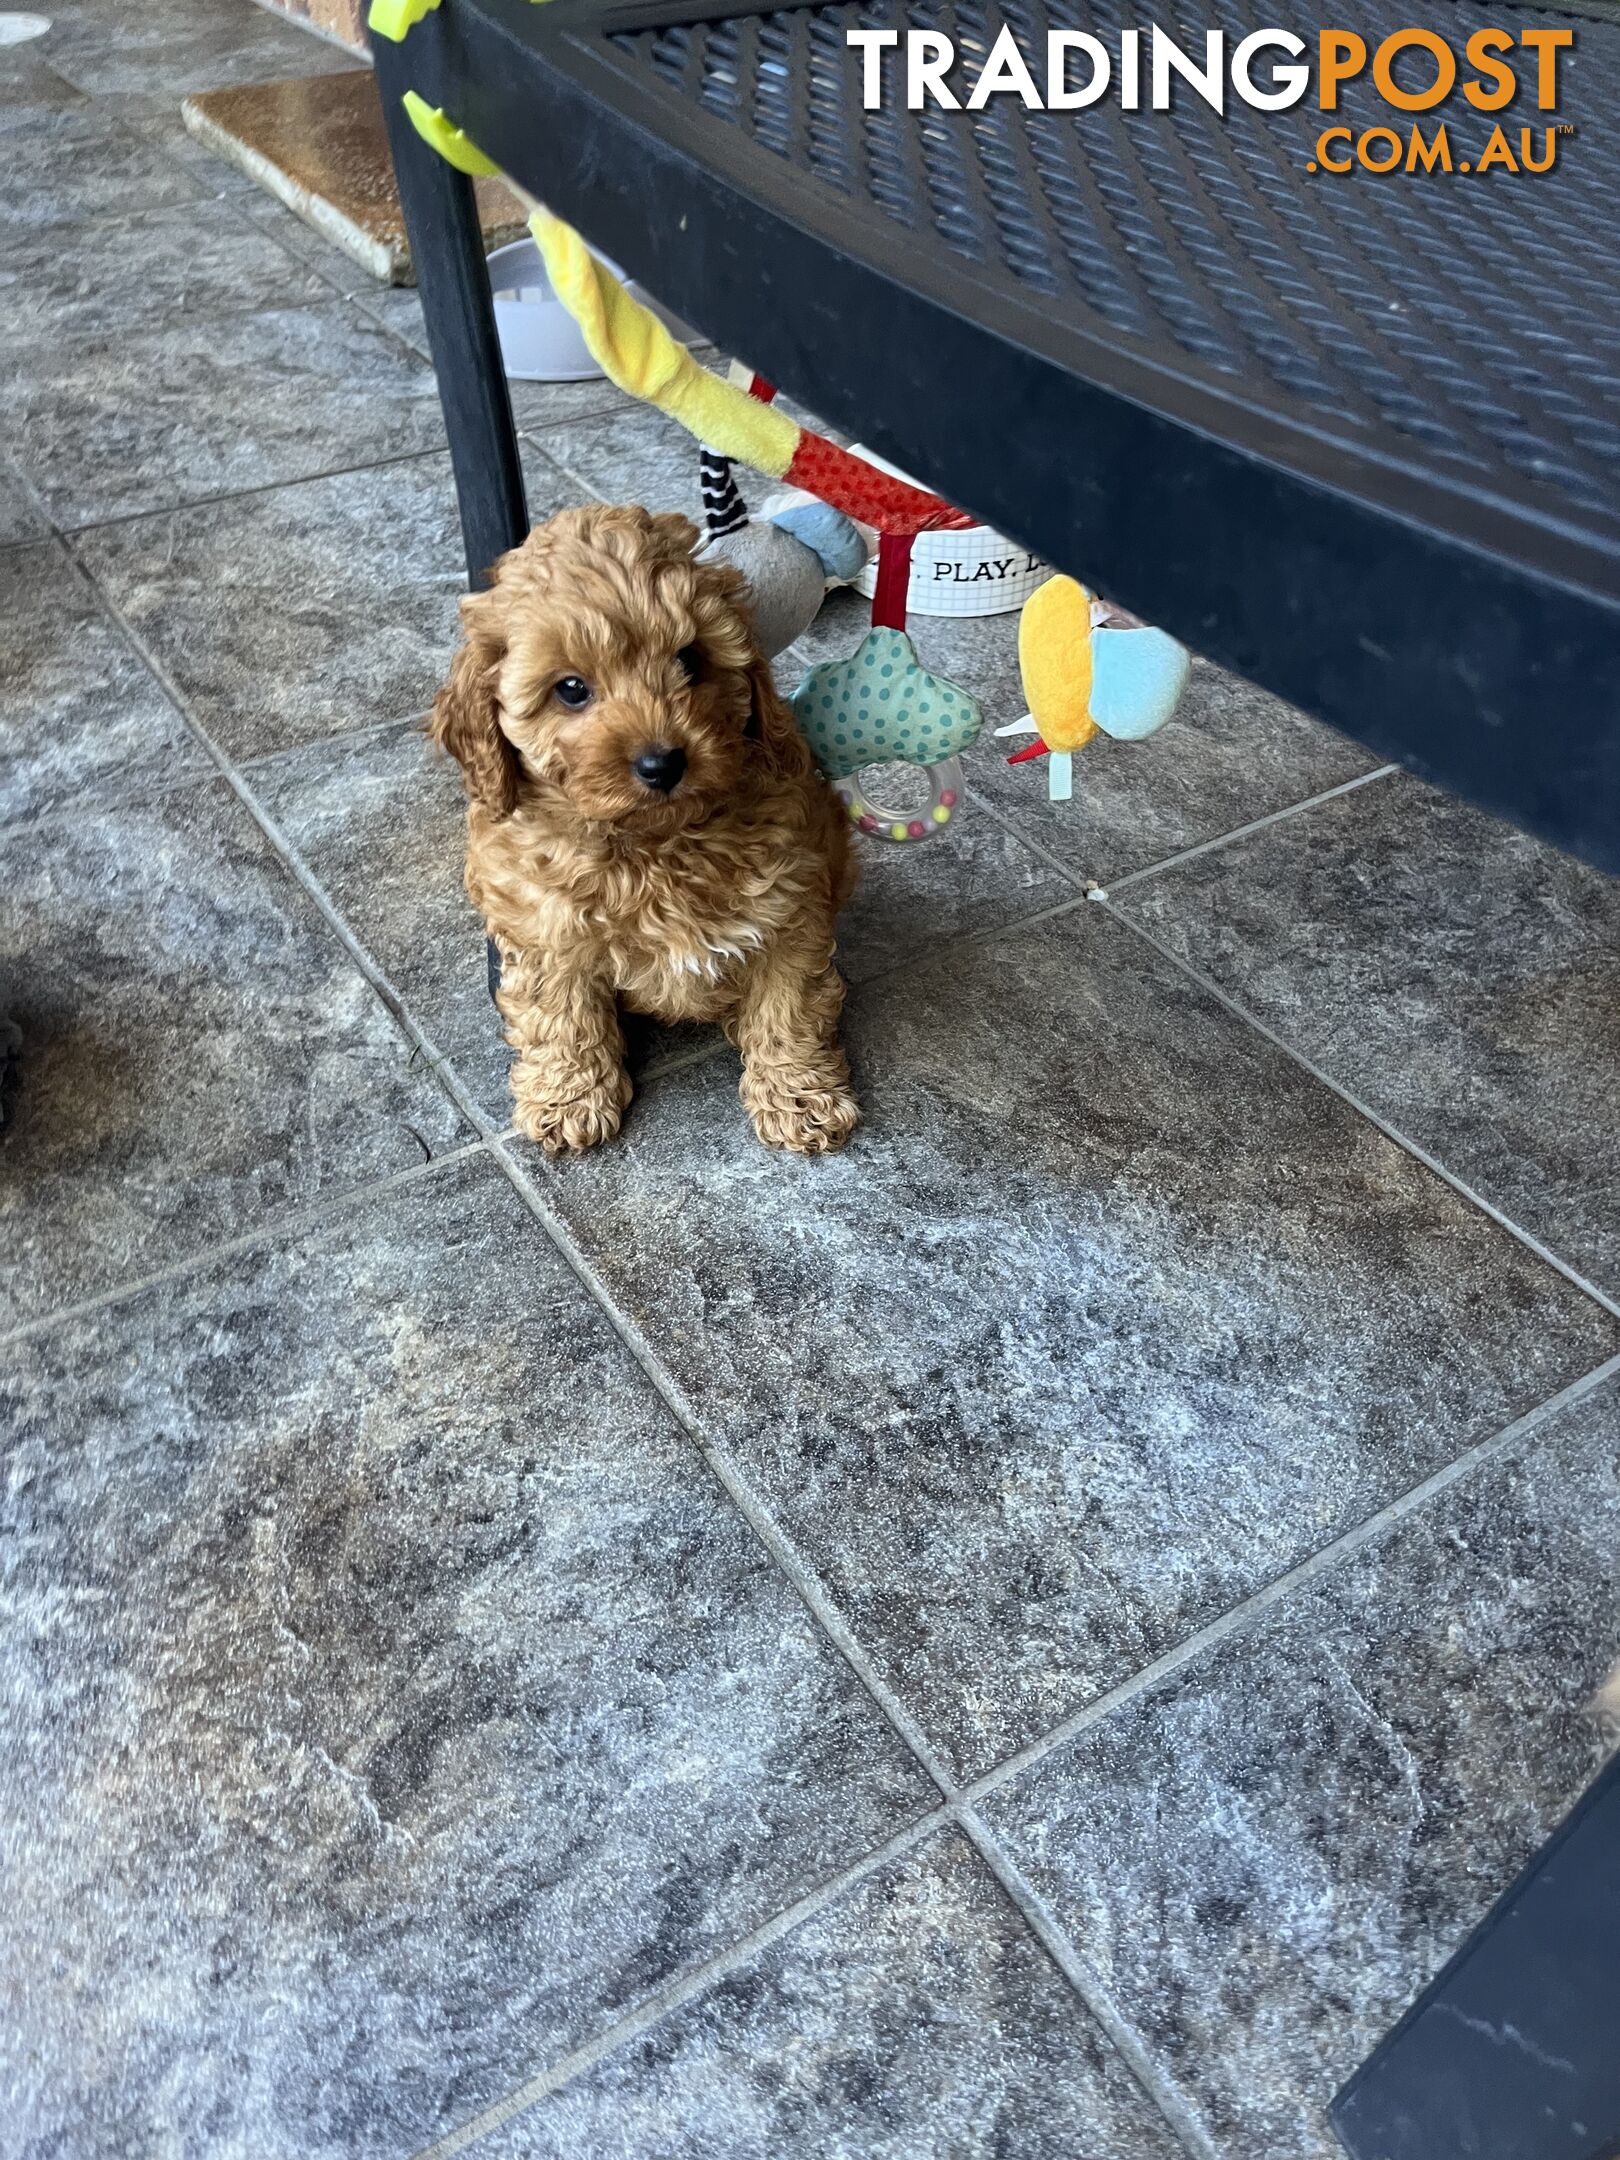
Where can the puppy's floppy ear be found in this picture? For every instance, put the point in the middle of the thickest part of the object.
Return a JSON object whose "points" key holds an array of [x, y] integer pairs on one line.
{"points": [[771, 723], [466, 712]]}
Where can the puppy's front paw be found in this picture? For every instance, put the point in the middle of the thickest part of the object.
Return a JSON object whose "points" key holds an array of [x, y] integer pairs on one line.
{"points": [[564, 1111], [808, 1111]]}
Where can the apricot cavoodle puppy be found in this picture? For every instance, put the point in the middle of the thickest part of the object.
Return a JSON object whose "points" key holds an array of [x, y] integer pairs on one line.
{"points": [[646, 828]]}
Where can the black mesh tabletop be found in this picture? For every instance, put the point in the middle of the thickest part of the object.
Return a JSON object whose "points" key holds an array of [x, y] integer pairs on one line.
{"points": [[1355, 435]]}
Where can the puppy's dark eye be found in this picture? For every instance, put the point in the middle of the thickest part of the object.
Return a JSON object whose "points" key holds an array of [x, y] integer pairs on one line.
{"points": [[574, 692], [690, 662]]}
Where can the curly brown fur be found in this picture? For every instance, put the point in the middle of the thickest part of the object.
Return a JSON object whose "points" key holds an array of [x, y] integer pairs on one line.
{"points": [[714, 901]]}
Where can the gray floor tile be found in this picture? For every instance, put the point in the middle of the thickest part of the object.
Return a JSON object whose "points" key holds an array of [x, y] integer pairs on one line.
{"points": [[1458, 976], [111, 427], [303, 610], [316, 250], [633, 455], [399, 1699], [30, 87], [912, 2019], [72, 165], [396, 307], [1265, 1859], [972, 879], [180, 46], [22, 516], [381, 820], [154, 115], [538, 407], [143, 273], [1232, 753], [535, 406], [197, 1049], [81, 716], [1108, 1315]]}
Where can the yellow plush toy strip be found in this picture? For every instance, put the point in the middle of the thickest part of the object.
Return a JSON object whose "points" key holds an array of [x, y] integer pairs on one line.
{"points": [[634, 350]]}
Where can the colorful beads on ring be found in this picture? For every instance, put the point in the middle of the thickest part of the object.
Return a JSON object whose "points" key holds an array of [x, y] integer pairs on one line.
{"points": [[905, 827]]}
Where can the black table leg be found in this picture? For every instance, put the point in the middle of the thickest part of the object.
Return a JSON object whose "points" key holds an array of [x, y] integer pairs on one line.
{"points": [[441, 217]]}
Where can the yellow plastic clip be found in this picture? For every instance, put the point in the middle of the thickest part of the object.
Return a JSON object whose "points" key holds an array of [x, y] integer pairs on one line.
{"points": [[392, 18], [444, 136]]}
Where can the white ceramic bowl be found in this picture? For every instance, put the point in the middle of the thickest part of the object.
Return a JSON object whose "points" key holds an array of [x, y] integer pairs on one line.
{"points": [[540, 340], [968, 571]]}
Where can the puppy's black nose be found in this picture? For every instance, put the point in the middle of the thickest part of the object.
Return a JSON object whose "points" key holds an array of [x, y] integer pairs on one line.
{"points": [[659, 767]]}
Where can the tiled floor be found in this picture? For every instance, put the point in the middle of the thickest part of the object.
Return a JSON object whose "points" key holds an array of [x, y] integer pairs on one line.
{"points": [[1033, 1638]]}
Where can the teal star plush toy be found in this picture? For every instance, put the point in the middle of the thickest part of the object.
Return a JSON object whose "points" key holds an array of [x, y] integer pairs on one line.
{"points": [[882, 707]]}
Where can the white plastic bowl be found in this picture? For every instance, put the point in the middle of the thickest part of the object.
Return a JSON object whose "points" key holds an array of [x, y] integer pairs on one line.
{"points": [[967, 571], [540, 340]]}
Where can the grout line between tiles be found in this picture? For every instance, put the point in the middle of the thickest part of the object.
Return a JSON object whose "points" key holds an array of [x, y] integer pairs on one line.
{"points": [[1373, 1117], [811, 1591], [671, 1997], [286, 1223], [72, 534], [680, 1061], [26, 237], [775, 1540], [960, 1801], [1326, 1560], [1241, 1012], [1049, 1933], [547, 450], [438, 1062], [416, 717], [90, 803], [1255, 825], [1102, 888]]}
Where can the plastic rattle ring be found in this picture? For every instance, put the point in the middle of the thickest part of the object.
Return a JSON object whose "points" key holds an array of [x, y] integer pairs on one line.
{"points": [[906, 826]]}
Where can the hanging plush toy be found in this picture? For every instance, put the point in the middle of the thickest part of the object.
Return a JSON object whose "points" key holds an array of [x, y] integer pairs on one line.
{"points": [[788, 559], [882, 707], [1088, 667]]}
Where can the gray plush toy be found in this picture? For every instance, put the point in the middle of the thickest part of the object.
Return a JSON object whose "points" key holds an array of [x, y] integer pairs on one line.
{"points": [[787, 569]]}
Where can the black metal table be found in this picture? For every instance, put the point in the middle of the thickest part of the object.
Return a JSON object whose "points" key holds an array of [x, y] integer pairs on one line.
{"points": [[1356, 437]]}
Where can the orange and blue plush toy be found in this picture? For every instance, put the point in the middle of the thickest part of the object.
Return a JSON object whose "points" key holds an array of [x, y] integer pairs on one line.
{"points": [[1087, 669]]}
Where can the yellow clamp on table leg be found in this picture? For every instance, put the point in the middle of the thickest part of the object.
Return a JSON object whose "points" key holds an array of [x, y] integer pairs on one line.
{"points": [[444, 136], [392, 18]]}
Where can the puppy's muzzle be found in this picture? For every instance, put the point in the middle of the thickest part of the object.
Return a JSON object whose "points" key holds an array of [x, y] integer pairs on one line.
{"points": [[659, 767]]}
